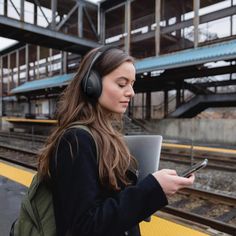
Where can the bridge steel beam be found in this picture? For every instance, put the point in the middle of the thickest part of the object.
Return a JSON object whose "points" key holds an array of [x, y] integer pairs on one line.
{"points": [[28, 33]]}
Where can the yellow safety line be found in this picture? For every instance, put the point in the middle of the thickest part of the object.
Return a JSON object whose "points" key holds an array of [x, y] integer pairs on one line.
{"points": [[157, 226], [31, 120], [18, 175], [200, 148], [160, 226]]}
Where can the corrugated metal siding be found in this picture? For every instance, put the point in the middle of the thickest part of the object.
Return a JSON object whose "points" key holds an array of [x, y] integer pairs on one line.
{"points": [[214, 52], [55, 81]]}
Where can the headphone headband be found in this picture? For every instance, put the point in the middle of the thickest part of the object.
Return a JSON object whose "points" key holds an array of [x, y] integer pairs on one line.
{"points": [[91, 83], [99, 52]]}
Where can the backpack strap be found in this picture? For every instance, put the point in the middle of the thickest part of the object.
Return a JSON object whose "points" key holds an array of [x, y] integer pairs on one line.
{"points": [[86, 128], [30, 195]]}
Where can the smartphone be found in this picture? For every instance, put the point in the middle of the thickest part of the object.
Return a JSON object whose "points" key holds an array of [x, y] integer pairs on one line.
{"points": [[194, 168]]}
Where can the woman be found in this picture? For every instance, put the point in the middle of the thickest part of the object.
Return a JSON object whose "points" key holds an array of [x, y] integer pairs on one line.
{"points": [[91, 172]]}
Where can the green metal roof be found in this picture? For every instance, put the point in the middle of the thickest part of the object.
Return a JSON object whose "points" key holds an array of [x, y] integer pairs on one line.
{"points": [[55, 81], [195, 56]]}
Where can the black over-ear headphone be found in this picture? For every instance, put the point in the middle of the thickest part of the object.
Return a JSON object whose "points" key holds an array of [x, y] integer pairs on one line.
{"points": [[92, 82]]}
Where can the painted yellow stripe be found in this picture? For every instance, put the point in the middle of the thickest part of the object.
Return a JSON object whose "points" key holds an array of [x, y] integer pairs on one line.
{"points": [[157, 226], [18, 175], [200, 148], [31, 120], [160, 226]]}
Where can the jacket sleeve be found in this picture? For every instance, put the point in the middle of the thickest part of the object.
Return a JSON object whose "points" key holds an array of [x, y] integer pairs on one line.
{"points": [[79, 201]]}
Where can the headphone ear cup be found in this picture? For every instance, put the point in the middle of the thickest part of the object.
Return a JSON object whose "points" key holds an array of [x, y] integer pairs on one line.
{"points": [[93, 85]]}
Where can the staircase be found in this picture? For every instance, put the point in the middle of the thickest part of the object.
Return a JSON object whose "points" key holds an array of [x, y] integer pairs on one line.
{"points": [[201, 102], [133, 127]]}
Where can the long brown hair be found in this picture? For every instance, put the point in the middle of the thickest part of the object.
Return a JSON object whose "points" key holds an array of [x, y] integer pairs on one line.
{"points": [[75, 106]]}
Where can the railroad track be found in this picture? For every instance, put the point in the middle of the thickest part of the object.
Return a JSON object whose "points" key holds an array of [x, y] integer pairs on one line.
{"points": [[223, 162], [18, 156], [180, 155], [24, 136], [212, 209], [227, 163], [22, 140]]}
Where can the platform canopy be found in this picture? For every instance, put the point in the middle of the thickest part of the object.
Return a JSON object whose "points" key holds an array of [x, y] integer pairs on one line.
{"points": [[196, 56], [42, 84]]}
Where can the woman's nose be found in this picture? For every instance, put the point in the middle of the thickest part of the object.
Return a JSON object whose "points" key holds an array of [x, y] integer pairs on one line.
{"points": [[130, 91]]}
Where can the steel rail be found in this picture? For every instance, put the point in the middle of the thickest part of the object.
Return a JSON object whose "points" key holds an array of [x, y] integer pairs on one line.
{"points": [[209, 165], [19, 163], [221, 226], [18, 149], [220, 198]]}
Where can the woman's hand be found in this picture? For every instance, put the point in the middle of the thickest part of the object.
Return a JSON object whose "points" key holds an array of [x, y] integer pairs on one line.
{"points": [[171, 182]]}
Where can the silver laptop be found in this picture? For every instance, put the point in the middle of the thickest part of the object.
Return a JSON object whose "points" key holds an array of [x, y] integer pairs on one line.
{"points": [[146, 149]]}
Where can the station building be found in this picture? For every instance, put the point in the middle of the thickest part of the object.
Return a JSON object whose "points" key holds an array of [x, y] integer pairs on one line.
{"points": [[185, 54]]}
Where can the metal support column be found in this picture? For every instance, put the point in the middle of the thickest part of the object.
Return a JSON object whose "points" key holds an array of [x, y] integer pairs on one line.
{"points": [[166, 103], [231, 33], [46, 66], [50, 62], [178, 21], [38, 59], [182, 99], [62, 63], [183, 29], [27, 62], [22, 10], [35, 14], [65, 62], [18, 67], [143, 106], [231, 21], [80, 20], [148, 105], [157, 30], [101, 25], [1, 88], [196, 6], [54, 11], [5, 8], [178, 97], [9, 72], [127, 25], [29, 105]]}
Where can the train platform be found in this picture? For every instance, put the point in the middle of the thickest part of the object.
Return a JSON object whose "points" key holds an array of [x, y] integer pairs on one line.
{"points": [[14, 181]]}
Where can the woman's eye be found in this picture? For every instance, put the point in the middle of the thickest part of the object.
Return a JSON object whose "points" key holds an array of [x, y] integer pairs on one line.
{"points": [[121, 85]]}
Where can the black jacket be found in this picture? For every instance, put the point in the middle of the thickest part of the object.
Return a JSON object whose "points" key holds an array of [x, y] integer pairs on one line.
{"points": [[82, 206]]}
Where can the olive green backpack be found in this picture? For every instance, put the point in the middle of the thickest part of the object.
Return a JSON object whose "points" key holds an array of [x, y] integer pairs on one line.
{"points": [[36, 217]]}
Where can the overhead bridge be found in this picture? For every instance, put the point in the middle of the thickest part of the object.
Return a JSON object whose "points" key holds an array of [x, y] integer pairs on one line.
{"points": [[201, 102], [33, 34]]}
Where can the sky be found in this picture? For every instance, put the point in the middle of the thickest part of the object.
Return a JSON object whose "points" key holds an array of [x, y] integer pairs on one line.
{"points": [[4, 42]]}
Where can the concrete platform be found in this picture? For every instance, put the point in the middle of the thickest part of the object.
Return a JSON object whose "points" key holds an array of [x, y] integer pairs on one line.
{"points": [[11, 194]]}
